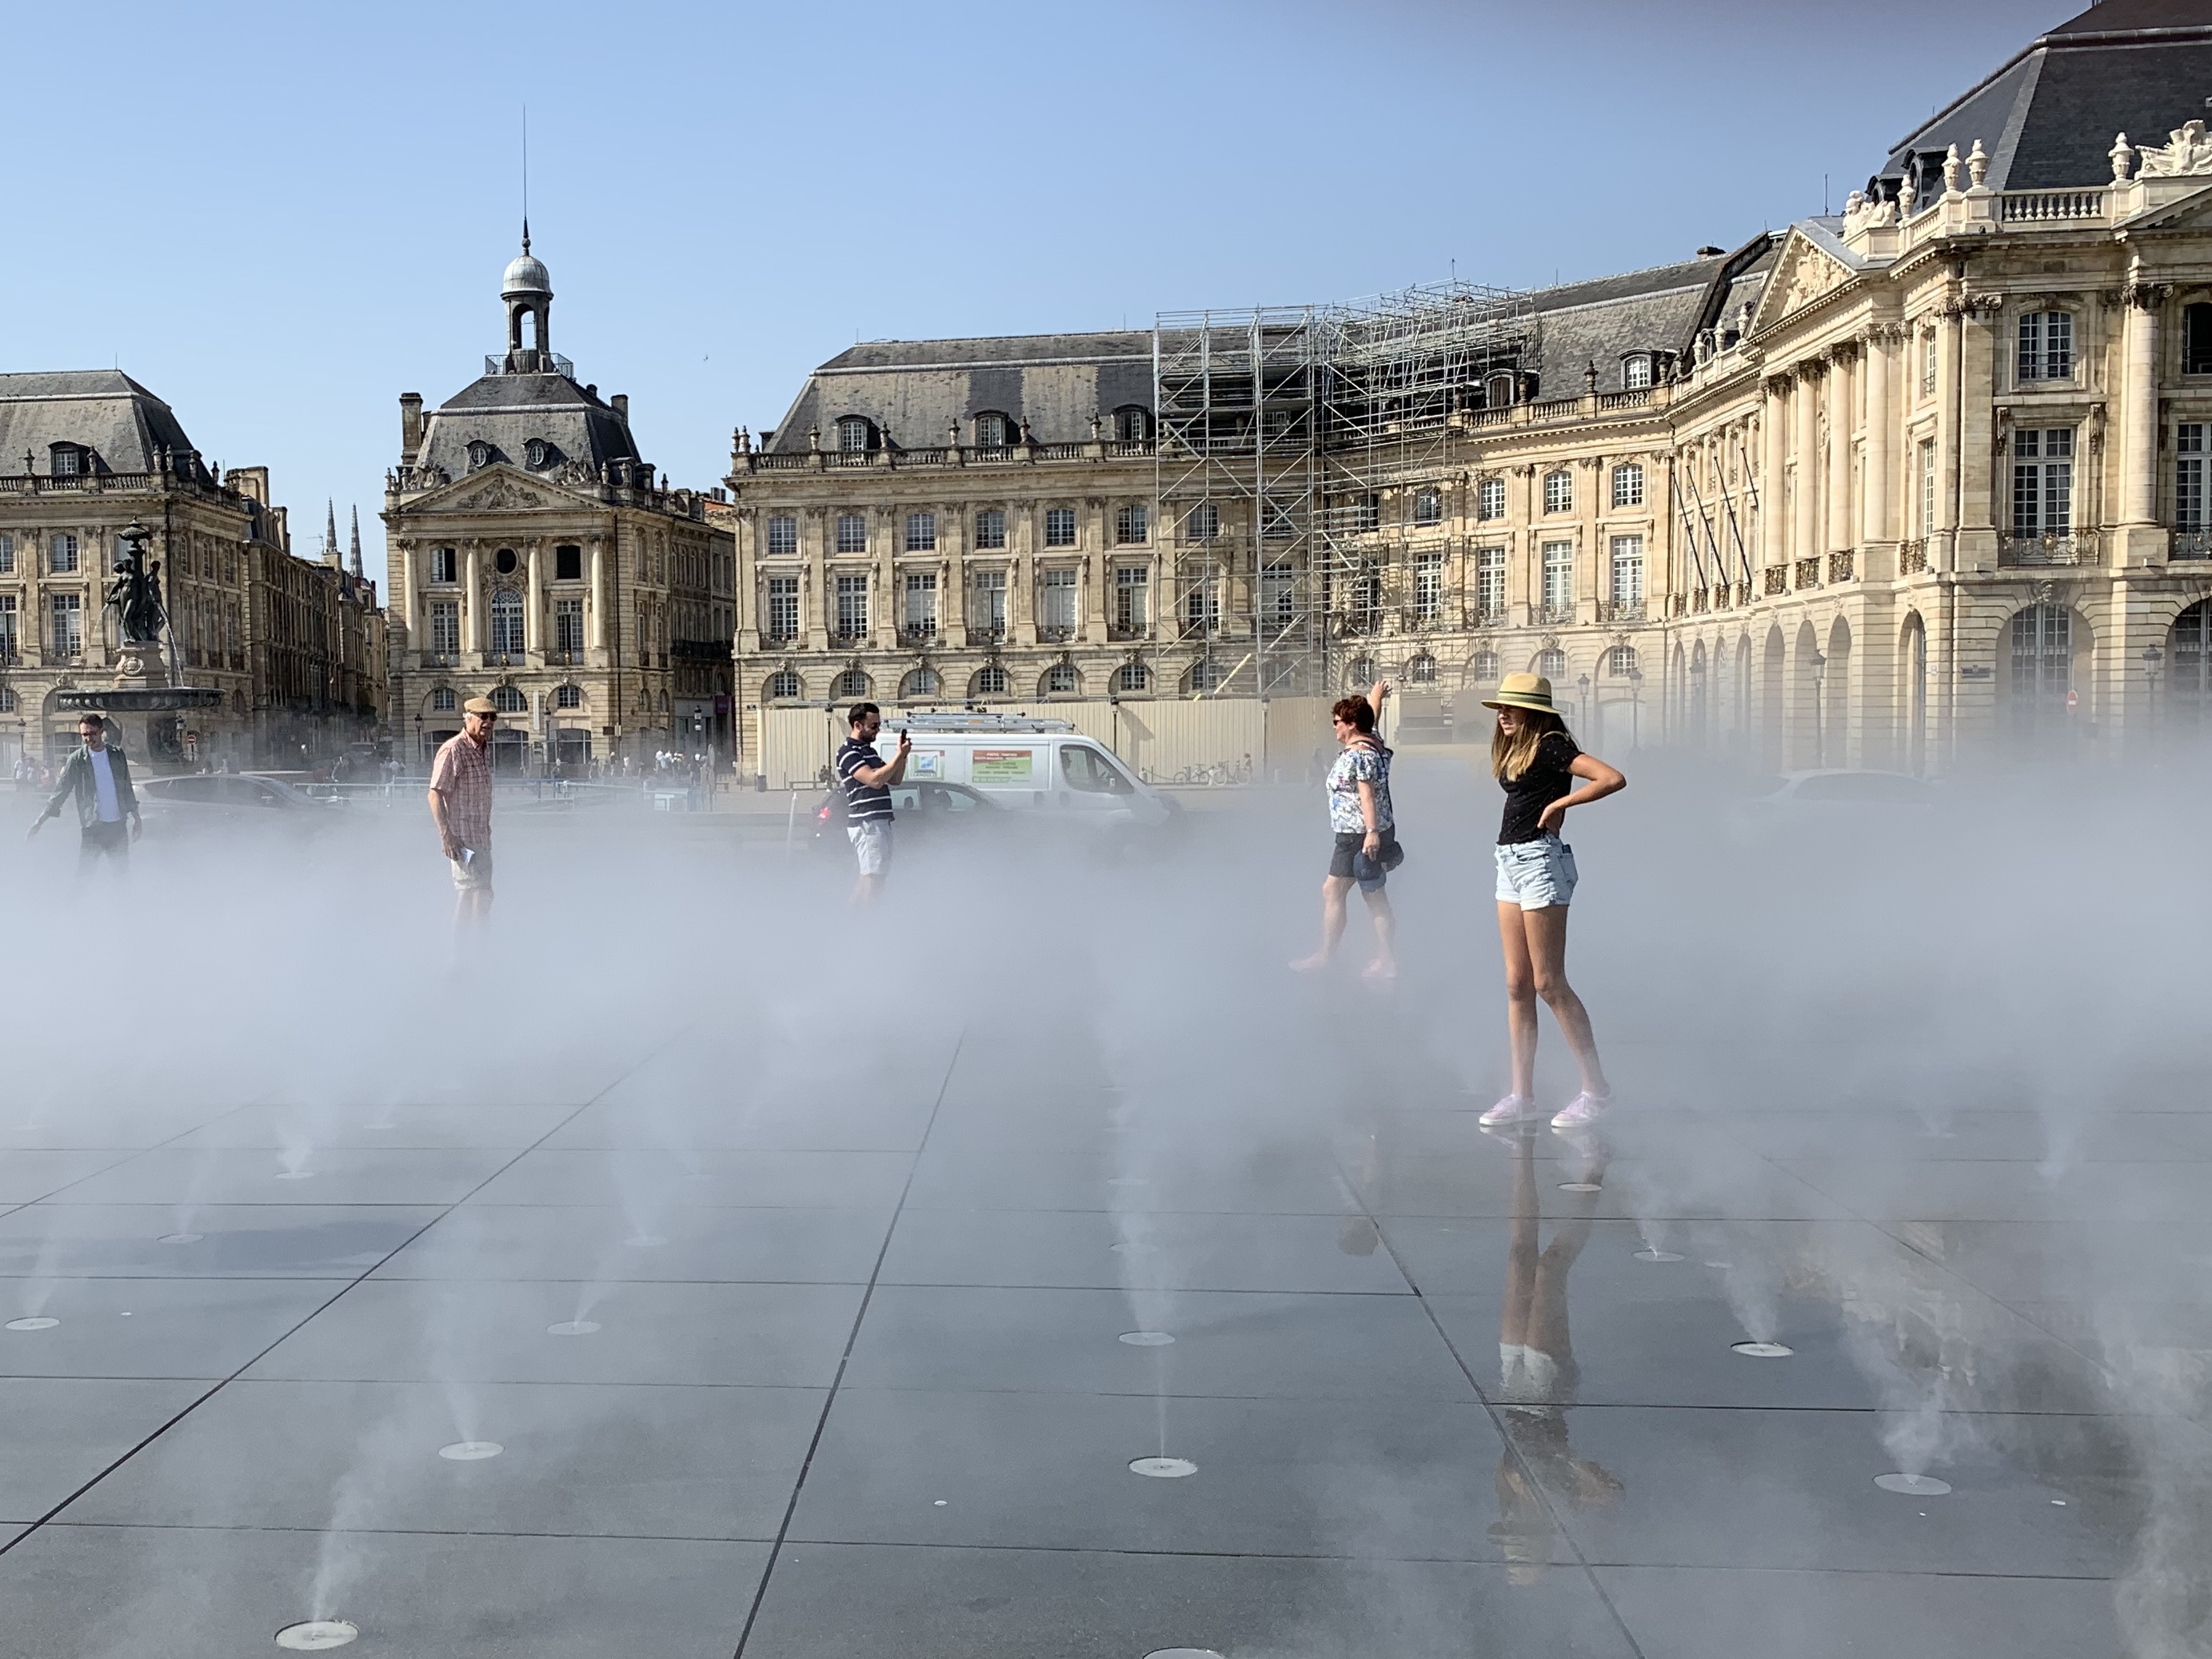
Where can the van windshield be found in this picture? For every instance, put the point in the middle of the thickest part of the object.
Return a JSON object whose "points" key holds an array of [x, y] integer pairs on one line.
{"points": [[1089, 770]]}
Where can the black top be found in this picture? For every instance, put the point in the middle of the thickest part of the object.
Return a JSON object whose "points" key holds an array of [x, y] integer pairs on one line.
{"points": [[1544, 782], [862, 802]]}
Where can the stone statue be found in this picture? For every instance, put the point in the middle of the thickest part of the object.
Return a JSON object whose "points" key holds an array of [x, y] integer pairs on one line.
{"points": [[2188, 153], [135, 595]]}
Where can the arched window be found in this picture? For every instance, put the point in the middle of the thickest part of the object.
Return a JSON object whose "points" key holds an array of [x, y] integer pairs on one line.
{"points": [[1483, 671], [1422, 671], [2042, 668], [479, 453], [784, 686], [569, 696], [1428, 507], [995, 430], [850, 684], [2189, 691], [1558, 491], [1552, 664], [1498, 390], [1635, 371], [1133, 424], [507, 622], [509, 699], [1620, 661], [1132, 677], [856, 432], [537, 455], [921, 683], [989, 681], [1060, 680], [442, 701], [1628, 484]]}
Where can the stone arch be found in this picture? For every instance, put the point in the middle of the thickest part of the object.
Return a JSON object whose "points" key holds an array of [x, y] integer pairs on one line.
{"points": [[2044, 652], [1912, 690], [1836, 700], [1772, 668]]}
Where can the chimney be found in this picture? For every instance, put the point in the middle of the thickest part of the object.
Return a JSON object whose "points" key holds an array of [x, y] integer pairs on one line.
{"points": [[410, 427], [620, 403]]}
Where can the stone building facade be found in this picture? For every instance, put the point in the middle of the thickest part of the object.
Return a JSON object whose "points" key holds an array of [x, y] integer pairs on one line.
{"points": [[1922, 478], [86, 455], [533, 558]]}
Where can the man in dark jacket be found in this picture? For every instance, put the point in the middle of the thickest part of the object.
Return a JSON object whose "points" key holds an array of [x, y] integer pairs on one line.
{"points": [[107, 808]]}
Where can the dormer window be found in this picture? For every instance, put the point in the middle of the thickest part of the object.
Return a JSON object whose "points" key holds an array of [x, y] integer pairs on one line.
{"points": [[70, 460], [1635, 371], [537, 454], [994, 431], [1497, 392], [855, 433], [479, 454], [1133, 424]]}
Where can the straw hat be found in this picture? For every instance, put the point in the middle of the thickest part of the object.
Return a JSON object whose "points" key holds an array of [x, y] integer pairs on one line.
{"points": [[1523, 691]]}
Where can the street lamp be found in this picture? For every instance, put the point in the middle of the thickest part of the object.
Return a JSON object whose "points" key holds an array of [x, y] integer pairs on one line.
{"points": [[1819, 711], [2152, 655], [1635, 708], [1582, 707]]}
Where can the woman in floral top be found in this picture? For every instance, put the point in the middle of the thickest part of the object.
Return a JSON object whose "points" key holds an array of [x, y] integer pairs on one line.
{"points": [[1366, 844]]}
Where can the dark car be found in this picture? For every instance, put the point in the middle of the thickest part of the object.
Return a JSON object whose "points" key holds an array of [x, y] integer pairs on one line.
{"points": [[932, 811], [227, 803]]}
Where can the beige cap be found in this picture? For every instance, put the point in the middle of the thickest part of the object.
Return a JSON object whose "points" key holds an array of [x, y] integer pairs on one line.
{"points": [[480, 706]]}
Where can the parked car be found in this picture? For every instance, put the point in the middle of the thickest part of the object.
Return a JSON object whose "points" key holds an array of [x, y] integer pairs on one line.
{"points": [[932, 811], [1833, 800], [230, 802]]}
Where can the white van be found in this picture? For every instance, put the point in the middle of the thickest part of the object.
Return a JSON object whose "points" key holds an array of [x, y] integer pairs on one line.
{"points": [[1028, 763]]}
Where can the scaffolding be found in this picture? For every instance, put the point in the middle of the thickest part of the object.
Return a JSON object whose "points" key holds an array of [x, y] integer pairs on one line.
{"points": [[1287, 439]]}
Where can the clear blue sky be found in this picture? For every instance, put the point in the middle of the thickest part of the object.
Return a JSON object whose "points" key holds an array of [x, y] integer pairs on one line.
{"points": [[280, 217]]}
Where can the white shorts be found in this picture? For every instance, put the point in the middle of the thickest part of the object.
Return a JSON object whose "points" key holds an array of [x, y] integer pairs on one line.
{"points": [[872, 842], [1536, 874]]}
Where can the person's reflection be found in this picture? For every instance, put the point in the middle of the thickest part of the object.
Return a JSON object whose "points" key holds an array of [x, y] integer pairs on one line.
{"points": [[1536, 1367]]}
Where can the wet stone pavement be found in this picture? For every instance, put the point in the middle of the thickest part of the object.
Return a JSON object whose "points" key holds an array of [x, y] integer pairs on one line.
{"points": [[650, 1363]]}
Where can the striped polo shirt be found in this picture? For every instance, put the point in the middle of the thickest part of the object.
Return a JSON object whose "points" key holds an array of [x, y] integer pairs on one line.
{"points": [[862, 801]]}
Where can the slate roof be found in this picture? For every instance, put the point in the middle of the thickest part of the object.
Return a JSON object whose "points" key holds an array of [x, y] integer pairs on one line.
{"points": [[507, 411], [125, 426], [2047, 117], [1660, 310], [916, 391]]}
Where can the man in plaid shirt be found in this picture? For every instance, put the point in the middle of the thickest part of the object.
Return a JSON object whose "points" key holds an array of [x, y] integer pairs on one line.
{"points": [[460, 804]]}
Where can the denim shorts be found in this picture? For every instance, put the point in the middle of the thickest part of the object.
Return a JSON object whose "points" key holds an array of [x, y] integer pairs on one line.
{"points": [[1535, 874], [1348, 859]]}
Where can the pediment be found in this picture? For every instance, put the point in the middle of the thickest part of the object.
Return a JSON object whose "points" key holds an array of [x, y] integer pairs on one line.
{"points": [[1804, 274], [503, 487], [2192, 212]]}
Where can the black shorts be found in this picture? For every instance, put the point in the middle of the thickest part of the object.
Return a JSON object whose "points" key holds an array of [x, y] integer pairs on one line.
{"points": [[1348, 861]]}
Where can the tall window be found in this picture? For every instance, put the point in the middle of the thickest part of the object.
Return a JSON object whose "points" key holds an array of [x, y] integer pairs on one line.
{"points": [[852, 533], [1930, 359], [2042, 667], [1428, 507], [69, 626], [1628, 571], [1367, 512], [855, 433], [567, 563], [1201, 602], [1558, 491], [2188, 476], [1059, 526], [2046, 345], [852, 605], [1490, 582], [1132, 601], [1132, 525], [568, 624], [61, 556], [1278, 597], [988, 608], [7, 556], [1628, 485], [11, 643], [784, 686], [1056, 599], [506, 622], [991, 528], [445, 628], [1490, 499], [782, 618], [2043, 481], [1429, 585], [1558, 579], [922, 533], [2196, 340], [783, 534], [444, 565], [1927, 486], [922, 601], [1204, 524]]}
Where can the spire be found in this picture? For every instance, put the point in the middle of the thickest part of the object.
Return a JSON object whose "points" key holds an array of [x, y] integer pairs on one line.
{"points": [[356, 543], [329, 532], [525, 233]]}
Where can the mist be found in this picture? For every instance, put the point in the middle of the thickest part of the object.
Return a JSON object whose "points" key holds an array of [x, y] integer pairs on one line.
{"points": [[776, 1247]]}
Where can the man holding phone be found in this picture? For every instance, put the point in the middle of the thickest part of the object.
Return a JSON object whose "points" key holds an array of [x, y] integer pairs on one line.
{"points": [[867, 778], [460, 805]]}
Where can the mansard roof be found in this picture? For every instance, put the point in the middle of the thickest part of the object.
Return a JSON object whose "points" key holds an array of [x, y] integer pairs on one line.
{"points": [[124, 426], [915, 391], [2048, 116], [1659, 310], [507, 411]]}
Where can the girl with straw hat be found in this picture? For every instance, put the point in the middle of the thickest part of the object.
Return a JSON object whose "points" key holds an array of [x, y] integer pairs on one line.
{"points": [[1534, 755]]}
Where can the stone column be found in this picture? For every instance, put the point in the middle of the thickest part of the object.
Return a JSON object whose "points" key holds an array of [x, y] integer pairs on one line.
{"points": [[2139, 406], [533, 618], [1771, 453], [1880, 440], [1947, 340], [471, 601], [601, 627], [1836, 487], [1805, 530]]}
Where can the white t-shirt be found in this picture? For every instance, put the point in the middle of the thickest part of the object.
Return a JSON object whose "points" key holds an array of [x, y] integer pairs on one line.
{"points": [[103, 784]]}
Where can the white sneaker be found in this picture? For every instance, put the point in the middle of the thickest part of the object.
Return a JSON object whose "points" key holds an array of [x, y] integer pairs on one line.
{"points": [[1513, 1109], [1584, 1107]]}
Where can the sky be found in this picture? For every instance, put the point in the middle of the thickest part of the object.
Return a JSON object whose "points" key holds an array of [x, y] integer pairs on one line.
{"points": [[279, 218]]}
